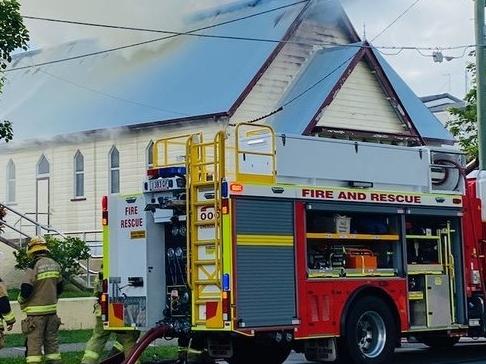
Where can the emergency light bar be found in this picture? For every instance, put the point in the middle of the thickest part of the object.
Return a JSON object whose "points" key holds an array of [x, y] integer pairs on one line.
{"points": [[166, 172]]}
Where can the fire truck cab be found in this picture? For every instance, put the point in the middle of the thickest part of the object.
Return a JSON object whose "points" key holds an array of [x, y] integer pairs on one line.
{"points": [[253, 244]]}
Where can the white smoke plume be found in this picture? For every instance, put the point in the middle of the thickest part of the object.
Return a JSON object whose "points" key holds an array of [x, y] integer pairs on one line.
{"points": [[172, 15]]}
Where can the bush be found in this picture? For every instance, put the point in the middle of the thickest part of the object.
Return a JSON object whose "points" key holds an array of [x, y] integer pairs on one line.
{"points": [[67, 253]]}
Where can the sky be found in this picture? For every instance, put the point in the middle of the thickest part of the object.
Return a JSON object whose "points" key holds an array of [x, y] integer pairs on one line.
{"points": [[430, 23]]}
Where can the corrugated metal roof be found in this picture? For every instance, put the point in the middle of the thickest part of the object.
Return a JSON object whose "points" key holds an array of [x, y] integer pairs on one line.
{"points": [[184, 77], [332, 62], [427, 125], [327, 65]]}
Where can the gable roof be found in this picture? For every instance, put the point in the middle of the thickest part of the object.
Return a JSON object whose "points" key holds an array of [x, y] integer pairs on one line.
{"points": [[183, 77], [427, 125], [324, 77], [327, 66]]}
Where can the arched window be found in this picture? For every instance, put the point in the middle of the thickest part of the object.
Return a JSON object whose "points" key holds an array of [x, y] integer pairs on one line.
{"points": [[114, 164], [10, 197], [43, 167], [149, 155], [78, 174]]}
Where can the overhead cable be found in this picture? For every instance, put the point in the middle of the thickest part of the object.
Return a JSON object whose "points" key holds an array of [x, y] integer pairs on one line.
{"points": [[395, 20], [158, 39]]}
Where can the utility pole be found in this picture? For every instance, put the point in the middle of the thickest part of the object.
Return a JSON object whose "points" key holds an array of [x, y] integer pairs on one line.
{"points": [[481, 101], [481, 80]]}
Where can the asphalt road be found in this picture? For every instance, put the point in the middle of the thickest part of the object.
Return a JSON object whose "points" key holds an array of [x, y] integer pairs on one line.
{"points": [[468, 352]]}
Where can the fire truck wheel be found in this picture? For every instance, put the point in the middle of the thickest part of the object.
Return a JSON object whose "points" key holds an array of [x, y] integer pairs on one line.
{"points": [[370, 333], [440, 342]]}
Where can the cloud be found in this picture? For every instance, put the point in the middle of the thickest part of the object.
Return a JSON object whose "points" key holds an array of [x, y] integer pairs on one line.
{"points": [[430, 23]]}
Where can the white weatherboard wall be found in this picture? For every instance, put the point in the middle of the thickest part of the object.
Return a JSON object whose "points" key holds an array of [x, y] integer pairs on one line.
{"points": [[81, 215], [75, 314], [270, 88], [361, 104]]}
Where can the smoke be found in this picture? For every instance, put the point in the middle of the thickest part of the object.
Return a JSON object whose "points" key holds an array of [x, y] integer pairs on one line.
{"points": [[173, 15]]}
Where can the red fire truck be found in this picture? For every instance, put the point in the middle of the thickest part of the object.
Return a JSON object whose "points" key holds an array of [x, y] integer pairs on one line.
{"points": [[253, 244]]}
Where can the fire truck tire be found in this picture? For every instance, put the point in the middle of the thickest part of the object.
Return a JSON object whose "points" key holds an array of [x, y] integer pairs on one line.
{"points": [[440, 342], [370, 333]]}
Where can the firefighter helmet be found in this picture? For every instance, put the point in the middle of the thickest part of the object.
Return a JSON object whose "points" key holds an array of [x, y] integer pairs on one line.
{"points": [[37, 244]]}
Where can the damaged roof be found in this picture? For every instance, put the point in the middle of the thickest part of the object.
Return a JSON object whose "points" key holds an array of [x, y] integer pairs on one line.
{"points": [[188, 77], [178, 78]]}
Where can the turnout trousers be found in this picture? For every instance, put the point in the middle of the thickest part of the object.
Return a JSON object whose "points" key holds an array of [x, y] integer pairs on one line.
{"points": [[2, 338], [124, 342], [42, 332]]}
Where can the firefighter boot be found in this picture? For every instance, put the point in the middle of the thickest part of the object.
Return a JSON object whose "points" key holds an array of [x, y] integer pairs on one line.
{"points": [[96, 344]]}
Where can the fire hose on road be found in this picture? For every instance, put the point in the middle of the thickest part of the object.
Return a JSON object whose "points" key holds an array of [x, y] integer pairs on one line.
{"points": [[150, 336]]}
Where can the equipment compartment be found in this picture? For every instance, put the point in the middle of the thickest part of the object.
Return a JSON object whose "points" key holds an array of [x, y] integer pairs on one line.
{"points": [[369, 246]]}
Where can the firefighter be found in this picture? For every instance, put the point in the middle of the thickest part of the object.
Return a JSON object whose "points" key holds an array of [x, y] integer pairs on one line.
{"points": [[6, 313], [41, 286], [124, 340]]}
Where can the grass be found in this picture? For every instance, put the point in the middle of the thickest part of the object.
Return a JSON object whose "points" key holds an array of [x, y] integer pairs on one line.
{"points": [[151, 354], [65, 337], [69, 292], [66, 358]]}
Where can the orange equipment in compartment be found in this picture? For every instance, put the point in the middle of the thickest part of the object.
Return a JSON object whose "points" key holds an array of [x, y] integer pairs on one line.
{"points": [[363, 259]]}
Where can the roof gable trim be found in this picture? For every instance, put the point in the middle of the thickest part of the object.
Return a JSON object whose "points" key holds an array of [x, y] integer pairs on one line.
{"points": [[366, 54]]}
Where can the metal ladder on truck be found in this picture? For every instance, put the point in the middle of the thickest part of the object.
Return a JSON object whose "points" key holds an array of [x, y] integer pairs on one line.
{"points": [[205, 163]]}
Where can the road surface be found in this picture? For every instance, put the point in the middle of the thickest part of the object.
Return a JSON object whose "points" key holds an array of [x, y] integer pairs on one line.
{"points": [[468, 352]]}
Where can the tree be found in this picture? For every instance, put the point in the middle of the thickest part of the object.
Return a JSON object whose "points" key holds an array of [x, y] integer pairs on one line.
{"points": [[67, 253], [13, 35], [464, 126]]}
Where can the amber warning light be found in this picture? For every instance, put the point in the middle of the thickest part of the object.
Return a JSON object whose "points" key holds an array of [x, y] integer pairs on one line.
{"points": [[236, 187]]}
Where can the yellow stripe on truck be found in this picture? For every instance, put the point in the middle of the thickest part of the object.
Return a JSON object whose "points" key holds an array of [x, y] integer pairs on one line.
{"points": [[265, 240]]}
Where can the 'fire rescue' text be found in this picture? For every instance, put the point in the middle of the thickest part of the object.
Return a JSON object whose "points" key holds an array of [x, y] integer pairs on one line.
{"points": [[361, 196]]}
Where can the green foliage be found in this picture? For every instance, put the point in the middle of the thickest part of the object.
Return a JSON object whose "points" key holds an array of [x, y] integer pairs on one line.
{"points": [[66, 252], [13, 35], [150, 355], [464, 125]]}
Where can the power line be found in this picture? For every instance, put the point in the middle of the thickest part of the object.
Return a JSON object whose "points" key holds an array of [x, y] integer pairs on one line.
{"points": [[118, 98], [159, 39], [173, 34], [396, 19], [301, 94], [314, 85], [267, 40]]}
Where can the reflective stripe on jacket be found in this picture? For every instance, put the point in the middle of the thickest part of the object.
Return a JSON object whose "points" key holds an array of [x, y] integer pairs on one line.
{"points": [[6, 313], [44, 278]]}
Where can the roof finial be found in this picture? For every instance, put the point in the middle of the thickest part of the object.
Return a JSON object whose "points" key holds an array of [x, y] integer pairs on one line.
{"points": [[364, 30]]}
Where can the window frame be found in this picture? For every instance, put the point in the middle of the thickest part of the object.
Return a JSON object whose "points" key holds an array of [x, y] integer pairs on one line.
{"points": [[149, 155], [8, 178], [112, 169], [38, 174], [77, 173]]}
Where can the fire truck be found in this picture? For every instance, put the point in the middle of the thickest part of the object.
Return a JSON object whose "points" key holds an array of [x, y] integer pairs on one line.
{"points": [[250, 244]]}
